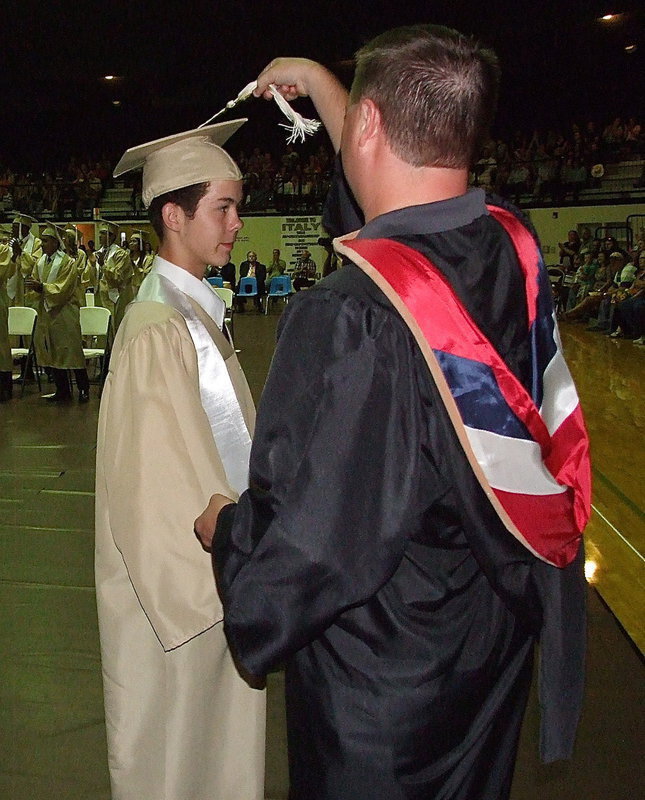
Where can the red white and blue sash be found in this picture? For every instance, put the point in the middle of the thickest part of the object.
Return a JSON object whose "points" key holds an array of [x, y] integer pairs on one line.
{"points": [[529, 451]]}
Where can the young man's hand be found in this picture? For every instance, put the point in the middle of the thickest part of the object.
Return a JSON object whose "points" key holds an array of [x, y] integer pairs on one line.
{"points": [[207, 521]]}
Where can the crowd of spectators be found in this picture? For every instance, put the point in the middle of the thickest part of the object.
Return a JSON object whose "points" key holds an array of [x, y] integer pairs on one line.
{"points": [[602, 284], [547, 165], [67, 191], [557, 165]]}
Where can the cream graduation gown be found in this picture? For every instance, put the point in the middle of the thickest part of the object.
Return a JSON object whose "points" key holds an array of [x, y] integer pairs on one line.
{"points": [[32, 250], [7, 269], [181, 722], [57, 337], [116, 263], [86, 272]]}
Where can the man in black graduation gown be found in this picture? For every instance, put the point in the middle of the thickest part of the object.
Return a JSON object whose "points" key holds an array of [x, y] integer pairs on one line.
{"points": [[366, 556]]}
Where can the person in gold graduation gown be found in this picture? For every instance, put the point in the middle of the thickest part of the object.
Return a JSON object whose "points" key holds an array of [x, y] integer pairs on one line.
{"points": [[26, 250], [7, 269], [141, 261], [57, 337], [85, 270], [176, 418], [113, 266]]}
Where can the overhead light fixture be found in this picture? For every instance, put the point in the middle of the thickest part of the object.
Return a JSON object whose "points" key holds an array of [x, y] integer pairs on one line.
{"points": [[109, 77], [116, 102], [631, 48]]}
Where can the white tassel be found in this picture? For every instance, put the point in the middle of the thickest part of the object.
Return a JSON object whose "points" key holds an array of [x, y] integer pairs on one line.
{"points": [[298, 126]]}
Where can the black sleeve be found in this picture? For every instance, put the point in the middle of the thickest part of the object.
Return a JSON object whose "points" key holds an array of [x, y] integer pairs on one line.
{"points": [[335, 453]]}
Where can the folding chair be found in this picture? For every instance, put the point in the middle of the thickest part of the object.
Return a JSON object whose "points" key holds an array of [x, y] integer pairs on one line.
{"points": [[280, 286], [22, 322], [227, 296], [95, 322], [216, 281]]}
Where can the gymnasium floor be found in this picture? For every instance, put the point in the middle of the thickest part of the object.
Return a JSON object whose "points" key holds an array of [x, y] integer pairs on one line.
{"points": [[52, 737]]}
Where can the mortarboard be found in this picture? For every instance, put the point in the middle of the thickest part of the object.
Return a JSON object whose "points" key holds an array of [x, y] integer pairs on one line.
{"points": [[51, 230], [24, 219], [183, 159], [107, 226]]}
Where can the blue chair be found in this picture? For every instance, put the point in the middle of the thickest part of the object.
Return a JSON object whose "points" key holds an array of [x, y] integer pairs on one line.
{"points": [[279, 287], [216, 281], [248, 287]]}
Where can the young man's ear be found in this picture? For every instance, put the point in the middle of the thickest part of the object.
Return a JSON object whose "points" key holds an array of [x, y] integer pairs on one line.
{"points": [[172, 215]]}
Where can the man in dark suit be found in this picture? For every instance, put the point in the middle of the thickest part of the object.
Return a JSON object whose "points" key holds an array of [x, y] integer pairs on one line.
{"points": [[251, 268]]}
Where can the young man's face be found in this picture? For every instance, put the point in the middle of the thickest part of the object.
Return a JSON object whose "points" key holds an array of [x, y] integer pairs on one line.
{"points": [[50, 245], [209, 236]]}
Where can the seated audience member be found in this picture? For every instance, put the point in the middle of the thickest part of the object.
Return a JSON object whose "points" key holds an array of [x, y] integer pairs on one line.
{"points": [[305, 271], [569, 249], [586, 276], [518, 181], [276, 268], [628, 305], [623, 277], [252, 268], [574, 177], [591, 303], [485, 169], [587, 242]]}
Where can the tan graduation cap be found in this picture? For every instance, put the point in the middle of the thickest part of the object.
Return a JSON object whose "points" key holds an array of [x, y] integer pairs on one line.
{"points": [[24, 219], [183, 159], [108, 227], [50, 230]]}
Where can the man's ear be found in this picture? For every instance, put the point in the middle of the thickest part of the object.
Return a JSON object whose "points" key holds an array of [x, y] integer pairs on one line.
{"points": [[369, 121], [172, 216]]}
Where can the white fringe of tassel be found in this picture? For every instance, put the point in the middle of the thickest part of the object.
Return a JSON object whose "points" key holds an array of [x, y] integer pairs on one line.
{"points": [[298, 126]]}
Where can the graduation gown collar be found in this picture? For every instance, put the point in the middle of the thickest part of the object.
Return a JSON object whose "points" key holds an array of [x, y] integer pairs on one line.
{"points": [[199, 291], [428, 218]]}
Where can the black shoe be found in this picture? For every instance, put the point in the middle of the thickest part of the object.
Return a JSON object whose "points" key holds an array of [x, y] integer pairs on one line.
{"points": [[57, 398], [83, 396]]}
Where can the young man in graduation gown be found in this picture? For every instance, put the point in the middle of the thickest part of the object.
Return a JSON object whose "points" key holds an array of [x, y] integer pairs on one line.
{"points": [[26, 250], [84, 269], [7, 270], [114, 269], [176, 416], [419, 482], [51, 288]]}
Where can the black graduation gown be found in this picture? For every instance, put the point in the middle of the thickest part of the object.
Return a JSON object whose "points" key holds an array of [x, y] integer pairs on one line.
{"points": [[366, 558]]}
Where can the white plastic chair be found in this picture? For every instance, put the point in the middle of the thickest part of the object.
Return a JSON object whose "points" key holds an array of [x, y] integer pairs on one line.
{"points": [[227, 296], [22, 322], [95, 322]]}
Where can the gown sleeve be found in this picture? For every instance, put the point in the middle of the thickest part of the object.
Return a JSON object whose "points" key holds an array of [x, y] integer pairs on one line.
{"points": [[324, 523]]}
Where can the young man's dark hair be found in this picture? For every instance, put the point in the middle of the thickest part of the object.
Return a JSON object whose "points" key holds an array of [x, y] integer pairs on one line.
{"points": [[436, 91], [187, 199]]}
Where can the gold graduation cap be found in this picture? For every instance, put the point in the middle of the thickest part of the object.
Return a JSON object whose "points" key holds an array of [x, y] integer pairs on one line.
{"points": [[24, 219], [50, 230], [183, 159], [139, 236], [108, 227], [71, 228]]}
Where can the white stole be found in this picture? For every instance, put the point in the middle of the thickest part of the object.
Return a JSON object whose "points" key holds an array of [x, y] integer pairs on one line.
{"points": [[219, 401], [52, 274]]}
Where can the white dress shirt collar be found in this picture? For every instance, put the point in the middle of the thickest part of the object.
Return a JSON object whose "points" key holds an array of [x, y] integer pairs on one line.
{"points": [[199, 291]]}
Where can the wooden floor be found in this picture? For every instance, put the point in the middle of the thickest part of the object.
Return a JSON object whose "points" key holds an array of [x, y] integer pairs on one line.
{"points": [[610, 376], [52, 737]]}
